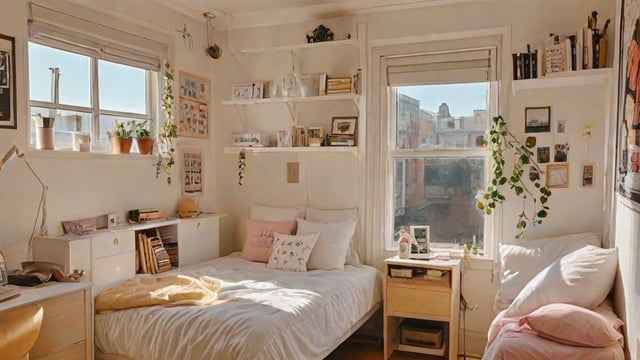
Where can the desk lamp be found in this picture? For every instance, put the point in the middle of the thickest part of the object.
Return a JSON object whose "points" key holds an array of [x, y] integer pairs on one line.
{"points": [[13, 151]]}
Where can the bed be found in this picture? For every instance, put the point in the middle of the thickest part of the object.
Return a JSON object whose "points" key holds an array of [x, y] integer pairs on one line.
{"points": [[553, 302], [261, 314]]}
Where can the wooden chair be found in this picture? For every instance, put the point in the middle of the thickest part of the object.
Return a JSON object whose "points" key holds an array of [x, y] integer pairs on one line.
{"points": [[19, 329]]}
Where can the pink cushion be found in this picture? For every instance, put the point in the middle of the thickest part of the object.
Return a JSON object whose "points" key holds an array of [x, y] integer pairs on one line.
{"points": [[259, 242], [575, 325]]}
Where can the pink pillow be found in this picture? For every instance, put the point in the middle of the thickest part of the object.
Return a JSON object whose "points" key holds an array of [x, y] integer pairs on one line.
{"points": [[575, 325], [259, 242]]}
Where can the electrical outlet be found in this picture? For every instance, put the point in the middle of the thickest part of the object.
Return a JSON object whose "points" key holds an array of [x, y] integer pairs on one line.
{"points": [[293, 172]]}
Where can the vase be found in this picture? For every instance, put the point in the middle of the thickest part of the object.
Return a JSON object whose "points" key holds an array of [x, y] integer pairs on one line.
{"points": [[145, 145], [120, 145]]}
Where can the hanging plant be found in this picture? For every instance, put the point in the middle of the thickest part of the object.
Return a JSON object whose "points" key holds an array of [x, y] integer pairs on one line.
{"points": [[500, 141], [169, 130]]}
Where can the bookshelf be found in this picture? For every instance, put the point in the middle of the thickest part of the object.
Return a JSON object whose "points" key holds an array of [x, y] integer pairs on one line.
{"points": [[590, 77]]}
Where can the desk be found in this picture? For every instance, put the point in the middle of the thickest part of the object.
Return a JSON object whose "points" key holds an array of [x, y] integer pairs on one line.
{"points": [[418, 297], [67, 327]]}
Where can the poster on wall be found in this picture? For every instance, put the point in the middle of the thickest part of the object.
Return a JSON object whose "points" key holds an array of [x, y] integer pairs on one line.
{"points": [[192, 170], [628, 142], [7, 82], [193, 118]]}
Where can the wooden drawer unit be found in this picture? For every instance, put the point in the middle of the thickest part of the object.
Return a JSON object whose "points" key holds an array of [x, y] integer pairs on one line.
{"points": [[113, 243], [66, 331], [409, 293]]}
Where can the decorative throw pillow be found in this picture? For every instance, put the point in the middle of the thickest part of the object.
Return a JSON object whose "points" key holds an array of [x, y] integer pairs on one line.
{"points": [[583, 278], [341, 215], [291, 252], [331, 250], [259, 241], [270, 213], [575, 325], [521, 263]]}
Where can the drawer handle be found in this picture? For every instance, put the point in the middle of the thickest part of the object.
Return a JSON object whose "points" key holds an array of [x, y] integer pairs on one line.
{"points": [[115, 241], [198, 225]]}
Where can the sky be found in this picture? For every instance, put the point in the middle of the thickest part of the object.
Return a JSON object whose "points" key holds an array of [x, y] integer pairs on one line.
{"points": [[461, 98]]}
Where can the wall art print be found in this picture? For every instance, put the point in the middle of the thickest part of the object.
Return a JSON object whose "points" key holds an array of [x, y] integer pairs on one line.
{"points": [[628, 141], [193, 118], [192, 170], [7, 82]]}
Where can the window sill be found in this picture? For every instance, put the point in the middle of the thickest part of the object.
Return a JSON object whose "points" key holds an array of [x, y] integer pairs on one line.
{"points": [[70, 154]]}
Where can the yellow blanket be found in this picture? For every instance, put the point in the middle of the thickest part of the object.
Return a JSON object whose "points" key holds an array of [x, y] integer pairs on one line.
{"points": [[171, 290]]}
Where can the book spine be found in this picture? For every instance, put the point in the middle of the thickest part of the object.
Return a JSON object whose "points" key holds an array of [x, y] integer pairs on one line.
{"points": [[579, 49], [534, 64], [526, 65], [514, 57]]}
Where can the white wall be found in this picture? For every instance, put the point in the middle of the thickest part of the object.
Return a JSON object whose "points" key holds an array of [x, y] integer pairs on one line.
{"points": [[86, 186]]}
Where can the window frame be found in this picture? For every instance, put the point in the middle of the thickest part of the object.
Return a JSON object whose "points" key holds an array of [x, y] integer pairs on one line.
{"points": [[380, 207], [151, 99]]}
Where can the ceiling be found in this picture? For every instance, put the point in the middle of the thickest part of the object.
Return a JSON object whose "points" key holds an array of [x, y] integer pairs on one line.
{"points": [[252, 9]]}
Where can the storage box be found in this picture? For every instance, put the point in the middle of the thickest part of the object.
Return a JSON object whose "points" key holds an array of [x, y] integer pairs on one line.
{"points": [[421, 333]]}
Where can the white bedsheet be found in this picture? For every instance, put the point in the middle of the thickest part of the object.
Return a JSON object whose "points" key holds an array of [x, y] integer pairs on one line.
{"points": [[268, 314]]}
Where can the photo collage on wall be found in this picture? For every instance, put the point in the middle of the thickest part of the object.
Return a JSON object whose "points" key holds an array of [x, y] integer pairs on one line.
{"points": [[548, 141]]}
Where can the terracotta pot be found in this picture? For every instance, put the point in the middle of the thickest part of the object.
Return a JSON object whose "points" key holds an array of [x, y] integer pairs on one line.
{"points": [[120, 145], [145, 145]]}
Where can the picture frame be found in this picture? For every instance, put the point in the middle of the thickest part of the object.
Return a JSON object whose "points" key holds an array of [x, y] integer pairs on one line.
{"points": [[7, 82], [193, 115], [587, 174], [537, 119], [315, 135], [420, 233], [242, 92], [558, 175], [192, 161], [344, 125]]}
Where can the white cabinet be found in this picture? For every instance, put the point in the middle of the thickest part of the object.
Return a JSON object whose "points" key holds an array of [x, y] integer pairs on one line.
{"points": [[109, 256], [198, 240], [268, 116]]}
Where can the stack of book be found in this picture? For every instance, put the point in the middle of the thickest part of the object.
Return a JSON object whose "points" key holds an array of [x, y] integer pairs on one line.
{"points": [[339, 85], [298, 136], [153, 257], [144, 215]]}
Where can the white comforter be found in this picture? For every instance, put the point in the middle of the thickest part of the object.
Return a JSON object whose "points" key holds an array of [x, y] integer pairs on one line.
{"points": [[266, 314]]}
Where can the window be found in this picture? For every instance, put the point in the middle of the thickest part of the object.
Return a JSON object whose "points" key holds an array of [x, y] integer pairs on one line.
{"points": [[86, 82], [436, 109]]}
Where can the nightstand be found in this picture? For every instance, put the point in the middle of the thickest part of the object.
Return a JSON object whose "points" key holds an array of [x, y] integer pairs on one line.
{"points": [[421, 306]]}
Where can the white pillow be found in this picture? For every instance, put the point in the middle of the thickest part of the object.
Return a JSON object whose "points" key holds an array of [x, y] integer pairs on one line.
{"points": [[332, 246], [270, 213], [582, 278], [291, 252], [341, 215], [521, 263]]}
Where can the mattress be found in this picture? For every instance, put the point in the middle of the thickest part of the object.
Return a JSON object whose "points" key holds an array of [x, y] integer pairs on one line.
{"points": [[263, 314]]}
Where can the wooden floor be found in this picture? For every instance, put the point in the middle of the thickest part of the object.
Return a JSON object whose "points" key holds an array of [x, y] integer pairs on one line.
{"points": [[353, 350]]}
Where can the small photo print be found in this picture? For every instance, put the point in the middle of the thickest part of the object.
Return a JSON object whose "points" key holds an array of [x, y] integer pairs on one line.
{"points": [[588, 171], [561, 126], [562, 152], [543, 154], [534, 175]]}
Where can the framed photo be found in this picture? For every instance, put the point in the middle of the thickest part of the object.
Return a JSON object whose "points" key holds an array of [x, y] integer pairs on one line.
{"points": [[242, 92], [543, 154], [194, 119], [420, 233], [344, 125], [588, 174], [537, 119], [7, 82], [562, 152], [558, 175], [192, 160], [315, 135], [193, 116]]}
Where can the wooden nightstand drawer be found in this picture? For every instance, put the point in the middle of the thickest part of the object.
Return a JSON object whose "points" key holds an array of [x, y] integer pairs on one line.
{"points": [[113, 244], [418, 301]]}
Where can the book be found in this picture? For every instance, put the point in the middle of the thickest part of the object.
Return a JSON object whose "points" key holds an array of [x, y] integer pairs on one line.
{"points": [[534, 64], [555, 58], [579, 49], [587, 53], [526, 65], [516, 67]]}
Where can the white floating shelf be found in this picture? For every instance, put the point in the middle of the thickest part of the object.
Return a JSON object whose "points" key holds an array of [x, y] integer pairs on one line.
{"points": [[323, 98], [564, 79], [307, 149], [350, 42]]}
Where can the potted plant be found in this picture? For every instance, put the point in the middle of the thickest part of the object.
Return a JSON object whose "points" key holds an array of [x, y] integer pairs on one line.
{"points": [[503, 143], [120, 136], [143, 137]]}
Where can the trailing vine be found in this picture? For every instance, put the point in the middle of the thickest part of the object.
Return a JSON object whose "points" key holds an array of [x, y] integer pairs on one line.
{"points": [[501, 140], [169, 130]]}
